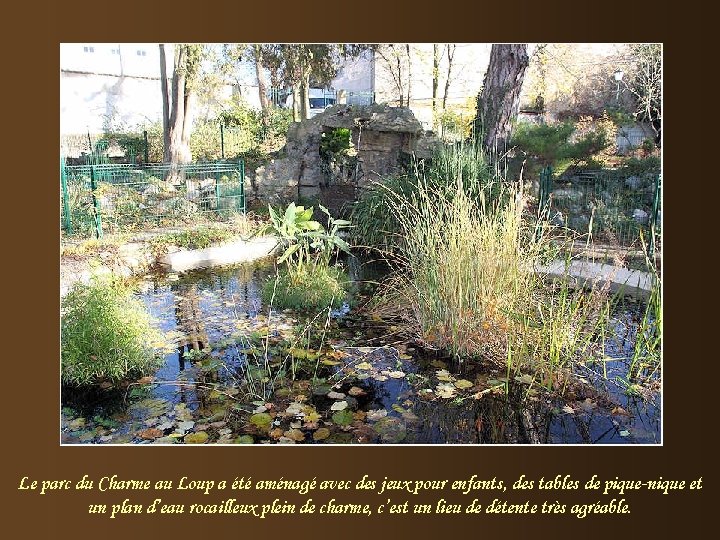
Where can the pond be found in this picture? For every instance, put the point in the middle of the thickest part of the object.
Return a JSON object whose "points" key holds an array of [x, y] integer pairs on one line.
{"points": [[242, 373]]}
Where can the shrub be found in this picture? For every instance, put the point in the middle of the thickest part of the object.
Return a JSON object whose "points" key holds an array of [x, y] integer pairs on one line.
{"points": [[107, 334]]}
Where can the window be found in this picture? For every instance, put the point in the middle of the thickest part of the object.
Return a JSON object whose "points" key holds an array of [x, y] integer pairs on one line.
{"points": [[114, 51], [141, 52], [89, 49]]}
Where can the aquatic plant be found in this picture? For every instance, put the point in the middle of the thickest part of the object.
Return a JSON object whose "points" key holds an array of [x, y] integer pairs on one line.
{"points": [[307, 281], [106, 334]]}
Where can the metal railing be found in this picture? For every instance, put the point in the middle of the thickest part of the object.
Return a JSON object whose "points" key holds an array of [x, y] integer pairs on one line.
{"points": [[615, 208], [121, 197]]}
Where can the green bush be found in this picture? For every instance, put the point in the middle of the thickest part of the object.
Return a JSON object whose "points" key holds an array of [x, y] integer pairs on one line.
{"points": [[107, 334], [312, 288]]}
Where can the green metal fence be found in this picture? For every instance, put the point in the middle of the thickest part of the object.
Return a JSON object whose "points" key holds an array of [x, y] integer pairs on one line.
{"points": [[615, 207], [121, 197]]}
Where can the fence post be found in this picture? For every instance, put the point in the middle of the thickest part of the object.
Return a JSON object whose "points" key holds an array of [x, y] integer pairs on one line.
{"points": [[241, 164], [67, 219], [543, 198], [147, 146], [96, 204], [222, 141], [217, 188], [654, 216]]}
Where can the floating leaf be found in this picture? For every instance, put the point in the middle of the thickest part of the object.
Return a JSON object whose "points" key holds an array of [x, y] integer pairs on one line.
{"points": [[405, 357], [295, 435], [276, 433], [376, 414], [524, 379], [462, 384], [364, 365], [444, 376], [336, 395], [568, 409], [184, 426], [244, 439], [396, 374], [445, 391], [200, 437], [343, 418], [391, 430], [356, 391], [151, 433], [329, 362], [261, 420], [321, 434], [624, 433], [620, 412], [339, 406]]}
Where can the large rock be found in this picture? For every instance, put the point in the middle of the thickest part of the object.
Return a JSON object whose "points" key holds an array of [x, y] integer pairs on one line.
{"points": [[383, 138]]}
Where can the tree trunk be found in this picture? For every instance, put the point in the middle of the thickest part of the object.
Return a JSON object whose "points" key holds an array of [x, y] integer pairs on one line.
{"points": [[498, 103], [262, 83], [450, 57], [435, 84], [409, 79], [165, 104], [296, 103], [305, 97], [179, 124]]}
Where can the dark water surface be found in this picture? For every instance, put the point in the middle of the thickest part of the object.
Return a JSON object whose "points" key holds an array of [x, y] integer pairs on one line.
{"points": [[392, 393]]}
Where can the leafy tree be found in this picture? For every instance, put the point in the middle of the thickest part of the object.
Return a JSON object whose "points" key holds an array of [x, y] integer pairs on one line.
{"points": [[299, 65]]}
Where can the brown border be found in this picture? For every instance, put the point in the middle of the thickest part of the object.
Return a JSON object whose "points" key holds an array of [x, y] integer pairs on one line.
{"points": [[30, 397]]}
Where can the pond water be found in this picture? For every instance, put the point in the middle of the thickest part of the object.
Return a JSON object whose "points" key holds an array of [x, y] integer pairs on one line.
{"points": [[243, 374]]}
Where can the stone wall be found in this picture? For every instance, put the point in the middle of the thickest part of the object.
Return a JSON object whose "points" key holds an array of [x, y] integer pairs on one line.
{"points": [[383, 139]]}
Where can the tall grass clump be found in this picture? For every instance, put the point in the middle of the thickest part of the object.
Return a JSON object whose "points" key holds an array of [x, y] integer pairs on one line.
{"points": [[107, 335], [378, 222], [467, 281]]}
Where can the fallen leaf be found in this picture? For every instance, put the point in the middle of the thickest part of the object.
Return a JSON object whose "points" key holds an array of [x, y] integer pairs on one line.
{"points": [[356, 391], [363, 365], [396, 374], [445, 391], [336, 395], [376, 414], [321, 434], [295, 435], [151, 433], [463, 384], [339, 406]]}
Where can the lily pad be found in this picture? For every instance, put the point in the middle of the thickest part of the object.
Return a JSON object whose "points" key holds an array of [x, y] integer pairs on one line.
{"points": [[295, 435], [321, 434], [390, 429], [376, 414], [445, 391], [343, 418], [200, 437], [339, 406], [261, 420]]}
